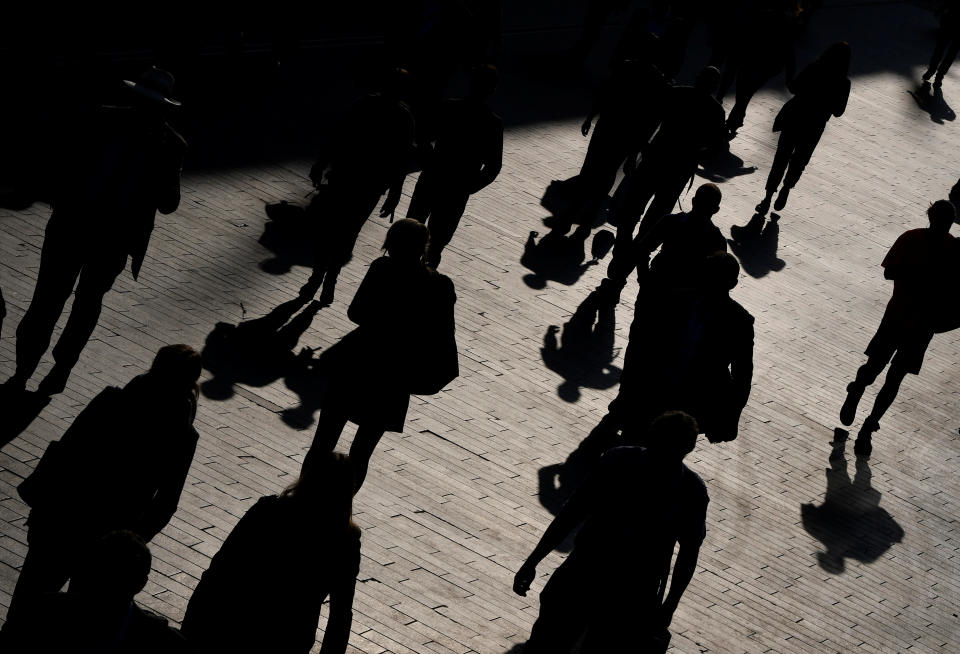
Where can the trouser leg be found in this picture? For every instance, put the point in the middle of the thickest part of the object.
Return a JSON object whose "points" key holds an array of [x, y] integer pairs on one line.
{"points": [[364, 443], [936, 58], [443, 224], [951, 54], [801, 157], [563, 614], [785, 148], [96, 279], [45, 569], [888, 393]]}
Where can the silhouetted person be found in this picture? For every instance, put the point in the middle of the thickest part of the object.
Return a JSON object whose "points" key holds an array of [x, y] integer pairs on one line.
{"points": [[684, 239], [402, 309], [763, 47], [820, 90], [691, 350], [265, 588], [948, 42], [97, 614], [629, 109], [955, 194], [370, 154], [122, 464], [692, 123], [124, 167], [467, 157], [635, 507], [920, 263]]}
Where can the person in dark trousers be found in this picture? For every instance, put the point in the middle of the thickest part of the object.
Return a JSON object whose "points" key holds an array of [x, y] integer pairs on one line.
{"points": [[692, 123], [684, 239], [764, 47], [122, 169], [98, 613], [370, 154], [948, 42], [401, 308], [467, 157], [122, 464], [629, 110], [820, 90], [265, 588], [920, 263], [612, 588], [689, 349]]}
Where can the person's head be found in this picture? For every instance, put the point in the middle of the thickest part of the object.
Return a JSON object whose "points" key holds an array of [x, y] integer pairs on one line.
{"points": [[941, 213], [673, 435], [837, 58], [326, 483], [707, 199], [719, 273], [708, 80], [115, 568], [406, 240], [483, 80], [151, 92], [177, 366]]}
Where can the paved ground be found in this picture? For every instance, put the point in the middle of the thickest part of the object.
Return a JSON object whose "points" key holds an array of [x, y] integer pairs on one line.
{"points": [[454, 503]]}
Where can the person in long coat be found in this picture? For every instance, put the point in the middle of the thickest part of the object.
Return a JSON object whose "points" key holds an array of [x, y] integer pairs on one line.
{"points": [[265, 588], [123, 168], [122, 464]]}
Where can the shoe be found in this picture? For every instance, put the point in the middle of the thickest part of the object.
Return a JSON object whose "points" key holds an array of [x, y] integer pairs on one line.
{"points": [[864, 445], [782, 199], [849, 409], [752, 230], [927, 75], [326, 295], [764, 206], [938, 82], [309, 289], [55, 381]]}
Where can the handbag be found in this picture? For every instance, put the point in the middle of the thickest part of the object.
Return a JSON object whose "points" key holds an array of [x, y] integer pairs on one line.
{"points": [[438, 362]]}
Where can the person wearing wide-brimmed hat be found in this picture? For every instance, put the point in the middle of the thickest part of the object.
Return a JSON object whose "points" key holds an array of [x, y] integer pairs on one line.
{"points": [[124, 167]]}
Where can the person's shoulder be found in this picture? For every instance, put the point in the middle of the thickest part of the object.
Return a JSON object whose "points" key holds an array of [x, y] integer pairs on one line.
{"points": [[442, 284], [694, 484], [741, 314]]}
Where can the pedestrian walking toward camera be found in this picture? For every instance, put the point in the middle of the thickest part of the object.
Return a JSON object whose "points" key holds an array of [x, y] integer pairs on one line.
{"points": [[123, 168], [265, 588], [948, 42], [466, 158], [922, 264], [122, 464], [612, 589]]}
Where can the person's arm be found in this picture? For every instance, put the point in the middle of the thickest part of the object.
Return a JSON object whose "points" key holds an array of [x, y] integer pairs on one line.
{"points": [[842, 99], [572, 514], [394, 193], [337, 634], [165, 502], [168, 185], [683, 571], [492, 158]]}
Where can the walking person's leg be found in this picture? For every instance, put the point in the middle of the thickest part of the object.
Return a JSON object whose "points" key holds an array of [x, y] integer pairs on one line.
{"points": [[785, 148], [803, 150], [364, 443]]}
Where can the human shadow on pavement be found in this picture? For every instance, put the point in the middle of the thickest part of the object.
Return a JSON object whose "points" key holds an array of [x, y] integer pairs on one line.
{"points": [[850, 523], [723, 166], [258, 352], [584, 353], [757, 251], [289, 236], [933, 103]]}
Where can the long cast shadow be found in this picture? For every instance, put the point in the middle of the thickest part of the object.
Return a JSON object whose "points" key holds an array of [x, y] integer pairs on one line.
{"points": [[258, 352], [850, 522], [584, 354], [933, 103], [758, 255], [289, 236], [20, 410]]}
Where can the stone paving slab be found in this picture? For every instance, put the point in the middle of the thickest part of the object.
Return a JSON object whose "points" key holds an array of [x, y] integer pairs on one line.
{"points": [[453, 504]]}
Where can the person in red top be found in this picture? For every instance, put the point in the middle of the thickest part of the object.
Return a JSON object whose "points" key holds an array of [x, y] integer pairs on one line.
{"points": [[916, 263]]}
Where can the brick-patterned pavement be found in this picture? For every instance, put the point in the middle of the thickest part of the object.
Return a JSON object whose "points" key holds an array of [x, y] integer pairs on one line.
{"points": [[453, 504]]}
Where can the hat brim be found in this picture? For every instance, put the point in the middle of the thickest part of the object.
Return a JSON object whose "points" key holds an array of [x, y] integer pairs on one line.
{"points": [[151, 94]]}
